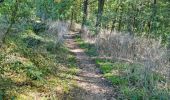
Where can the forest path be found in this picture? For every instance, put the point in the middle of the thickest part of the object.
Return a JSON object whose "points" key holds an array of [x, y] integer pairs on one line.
{"points": [[90, 83]]}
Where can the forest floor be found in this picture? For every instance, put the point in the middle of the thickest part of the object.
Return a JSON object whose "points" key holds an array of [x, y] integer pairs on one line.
{"points": [[34, 67], [91, 85]]}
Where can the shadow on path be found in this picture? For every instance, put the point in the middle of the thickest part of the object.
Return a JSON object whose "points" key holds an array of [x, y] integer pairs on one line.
{"points": [[90, 83]]}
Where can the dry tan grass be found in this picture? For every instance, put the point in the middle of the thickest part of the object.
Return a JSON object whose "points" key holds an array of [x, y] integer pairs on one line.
{"points": [[57, 29], [147, 52]]}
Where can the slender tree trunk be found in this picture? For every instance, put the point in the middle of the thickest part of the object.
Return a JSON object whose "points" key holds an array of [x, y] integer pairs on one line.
{"points": [[153, 26], [12, 20], [120, 22], [72, 19], [85, 14], [113, 22], [134, 18], [99, 14], [113, 25], [120, 16], [151, 23]]}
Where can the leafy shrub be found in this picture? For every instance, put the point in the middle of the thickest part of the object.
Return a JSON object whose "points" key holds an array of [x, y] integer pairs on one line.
{"points": [[32, 42], [33, 72], [39, 27]]}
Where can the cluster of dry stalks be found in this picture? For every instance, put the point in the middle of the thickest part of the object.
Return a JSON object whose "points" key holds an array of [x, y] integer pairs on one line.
{"points": [[149, 53], [57, 29], [137, 49]]}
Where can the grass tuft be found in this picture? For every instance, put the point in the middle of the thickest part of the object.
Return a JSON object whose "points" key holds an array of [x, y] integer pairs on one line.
{"points": [[32, 64]]}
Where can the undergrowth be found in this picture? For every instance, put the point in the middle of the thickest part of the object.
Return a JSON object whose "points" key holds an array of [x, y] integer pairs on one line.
{"points": [[89, 48], [34, 66], [127, 76]]}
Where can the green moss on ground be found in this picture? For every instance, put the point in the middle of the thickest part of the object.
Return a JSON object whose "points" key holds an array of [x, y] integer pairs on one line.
{"points": [[35, 66], [90, 49]]}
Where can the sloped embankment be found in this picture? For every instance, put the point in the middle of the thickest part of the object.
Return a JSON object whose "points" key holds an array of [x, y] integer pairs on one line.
{"points": [[33, 66]]}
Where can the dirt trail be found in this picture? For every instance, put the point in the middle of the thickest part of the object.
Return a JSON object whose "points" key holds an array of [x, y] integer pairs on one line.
{"points": [[91, 84]]}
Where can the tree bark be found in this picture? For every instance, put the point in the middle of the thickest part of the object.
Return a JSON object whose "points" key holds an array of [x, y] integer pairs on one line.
{"points": [[153, 26], [12, 20], [152, 20], [85, 13], [114, 21], [99, 15], [72, 19]]}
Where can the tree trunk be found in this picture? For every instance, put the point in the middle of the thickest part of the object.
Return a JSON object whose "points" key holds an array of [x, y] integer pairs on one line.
{"points": [[85, 14], [114, 21], [72, 18], [12, 20], [99, 15], [151, 23], [120, 22], [153, 26]]}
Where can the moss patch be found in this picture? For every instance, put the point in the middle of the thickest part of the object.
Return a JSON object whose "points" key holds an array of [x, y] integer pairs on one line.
{"points": [[34, 65]]}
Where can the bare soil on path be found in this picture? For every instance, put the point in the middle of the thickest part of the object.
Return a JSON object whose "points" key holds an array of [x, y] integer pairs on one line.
{"points": [[90, 83]]}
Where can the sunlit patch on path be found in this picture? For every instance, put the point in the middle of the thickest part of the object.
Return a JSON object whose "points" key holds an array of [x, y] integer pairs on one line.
{"points": [[90, 83]]}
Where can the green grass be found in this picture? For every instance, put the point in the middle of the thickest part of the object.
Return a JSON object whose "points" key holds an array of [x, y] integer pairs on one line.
{"points": [[120, 74], [31, 64], [90, 49], [116, 79], [127, 77]]}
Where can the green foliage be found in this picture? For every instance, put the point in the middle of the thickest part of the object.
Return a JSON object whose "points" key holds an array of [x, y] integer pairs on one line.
{"points": [[30, 62], [72, 59], [90, 49], [116, 80], [128, 78], [133, 93], [138, 17], [28, 56]]}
